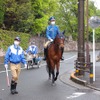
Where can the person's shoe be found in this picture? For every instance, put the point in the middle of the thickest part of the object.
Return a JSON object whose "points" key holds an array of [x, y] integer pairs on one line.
{"points": [[16, 92], [12, 91], [62, 58]]}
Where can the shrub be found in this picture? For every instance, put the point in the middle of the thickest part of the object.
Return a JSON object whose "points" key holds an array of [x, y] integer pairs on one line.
{"points": [[7, 38]]}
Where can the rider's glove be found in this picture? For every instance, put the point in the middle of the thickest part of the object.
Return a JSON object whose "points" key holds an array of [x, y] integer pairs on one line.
{"points": [[25, 53], [51, 40], [34, 55], [6, 66]]}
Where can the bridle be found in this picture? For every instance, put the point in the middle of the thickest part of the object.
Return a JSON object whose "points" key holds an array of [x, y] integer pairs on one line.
{"points": [[60, 43]]}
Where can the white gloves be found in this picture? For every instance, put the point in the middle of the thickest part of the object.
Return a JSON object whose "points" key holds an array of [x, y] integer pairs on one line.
{"points": [[25, 53], [25, 66], [51, 40], [34, 55], [6, 66]]}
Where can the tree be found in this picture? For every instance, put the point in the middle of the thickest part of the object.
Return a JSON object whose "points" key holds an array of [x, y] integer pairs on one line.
{"points": [[42, 10], [2, 11], [93, 11], [18, 15], [67, 16], [28, 15]]}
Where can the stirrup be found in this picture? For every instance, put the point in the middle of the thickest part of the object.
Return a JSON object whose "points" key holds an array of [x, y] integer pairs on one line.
{"points": [[44, 58]]}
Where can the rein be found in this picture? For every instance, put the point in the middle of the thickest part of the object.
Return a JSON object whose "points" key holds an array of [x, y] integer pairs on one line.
{"points": [[58, 44]]}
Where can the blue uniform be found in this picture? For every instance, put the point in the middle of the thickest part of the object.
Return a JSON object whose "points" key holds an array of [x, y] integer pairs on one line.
{"points": [[14, 55], [52, 31], [32, 49]]}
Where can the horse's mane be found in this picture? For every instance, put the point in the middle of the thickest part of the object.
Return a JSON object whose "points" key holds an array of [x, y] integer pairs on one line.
{"points": [[61, 34]]}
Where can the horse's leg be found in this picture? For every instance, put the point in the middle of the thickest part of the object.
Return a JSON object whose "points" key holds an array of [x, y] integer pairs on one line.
{"points": [[53, 76], [49, 73], [57, 72]]}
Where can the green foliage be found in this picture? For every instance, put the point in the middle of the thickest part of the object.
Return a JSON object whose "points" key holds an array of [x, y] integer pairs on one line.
{"points": [[7, 38], [2, 10], [66, 16], [31, 16], [42, 10], [93, 11]]}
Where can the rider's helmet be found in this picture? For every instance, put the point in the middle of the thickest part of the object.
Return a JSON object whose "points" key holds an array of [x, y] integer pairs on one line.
{"points": [[17, 38], [52, 18]]}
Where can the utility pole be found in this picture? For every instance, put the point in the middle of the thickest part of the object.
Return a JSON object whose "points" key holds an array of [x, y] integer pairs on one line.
{"points": [[87, 34], [81, 53]]}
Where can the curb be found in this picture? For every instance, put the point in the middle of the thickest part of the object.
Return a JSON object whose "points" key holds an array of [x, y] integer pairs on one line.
{"points": [[77, 80], [82, 82], [92, 87]]}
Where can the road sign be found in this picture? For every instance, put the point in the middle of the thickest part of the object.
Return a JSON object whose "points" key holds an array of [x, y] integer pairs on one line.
{"points": [[94, 22]]}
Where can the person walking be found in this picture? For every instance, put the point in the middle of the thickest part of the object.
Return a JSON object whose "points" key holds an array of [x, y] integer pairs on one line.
{"points": [[15, 56], [51, 32]]}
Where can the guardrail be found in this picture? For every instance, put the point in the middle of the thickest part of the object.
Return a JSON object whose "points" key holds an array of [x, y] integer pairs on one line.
{"points": [[85, 67]]}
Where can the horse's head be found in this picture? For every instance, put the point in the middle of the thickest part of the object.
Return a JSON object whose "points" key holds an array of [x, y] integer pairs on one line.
{"points": [[59, 40]]}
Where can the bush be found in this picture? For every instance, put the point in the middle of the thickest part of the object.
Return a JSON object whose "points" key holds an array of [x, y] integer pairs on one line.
{"points": [[7, 38]]}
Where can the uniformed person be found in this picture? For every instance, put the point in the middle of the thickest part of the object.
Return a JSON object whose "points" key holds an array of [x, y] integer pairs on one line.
{"points": [[15, 56]]}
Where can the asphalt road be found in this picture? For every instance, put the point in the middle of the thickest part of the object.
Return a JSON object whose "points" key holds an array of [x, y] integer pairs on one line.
{"points": [[34, 85]]}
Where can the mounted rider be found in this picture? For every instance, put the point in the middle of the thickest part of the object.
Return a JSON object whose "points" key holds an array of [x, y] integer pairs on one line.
{"points": [[51, 32]]}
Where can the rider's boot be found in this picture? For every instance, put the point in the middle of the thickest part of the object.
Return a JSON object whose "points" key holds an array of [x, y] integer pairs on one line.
{"points": [[45, 50]]}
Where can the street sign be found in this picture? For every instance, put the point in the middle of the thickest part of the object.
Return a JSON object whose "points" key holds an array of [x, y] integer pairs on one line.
{"points": [[94, 22]]}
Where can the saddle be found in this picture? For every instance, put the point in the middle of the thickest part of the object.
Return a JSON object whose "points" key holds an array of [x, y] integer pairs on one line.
{"points": [[48, 46], [46, 49]]}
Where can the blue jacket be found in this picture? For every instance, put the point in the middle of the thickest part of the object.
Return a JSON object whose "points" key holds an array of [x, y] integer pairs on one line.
{"points": [[52, 31], [32, 49], [14, 55]]}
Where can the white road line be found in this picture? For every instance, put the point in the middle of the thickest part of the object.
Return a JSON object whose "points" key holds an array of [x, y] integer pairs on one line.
{"points": [[3, 71], [69, 58], [75, 95], [45, 63]]}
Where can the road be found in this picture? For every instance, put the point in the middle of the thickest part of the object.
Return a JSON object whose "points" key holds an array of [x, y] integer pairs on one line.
{"points": [[34, 85]]}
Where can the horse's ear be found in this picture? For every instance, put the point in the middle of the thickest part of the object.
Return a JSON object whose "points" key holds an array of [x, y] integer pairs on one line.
{"points": [[63, 32], [58, 32]]}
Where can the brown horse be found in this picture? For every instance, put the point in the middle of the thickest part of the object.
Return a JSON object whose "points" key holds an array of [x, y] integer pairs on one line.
{"points": [[54, 54]]}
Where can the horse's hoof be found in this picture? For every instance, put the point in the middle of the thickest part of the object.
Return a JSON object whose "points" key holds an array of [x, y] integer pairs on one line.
{"points": [[49, 78], [53, 84], [55, 79]]}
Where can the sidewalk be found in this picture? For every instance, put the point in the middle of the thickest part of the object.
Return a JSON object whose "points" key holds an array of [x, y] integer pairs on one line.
{"points": [[85, 81], [82, 82]]}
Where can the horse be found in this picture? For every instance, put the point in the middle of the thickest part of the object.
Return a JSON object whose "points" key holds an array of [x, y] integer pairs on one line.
{"points": [[53, 56]]}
